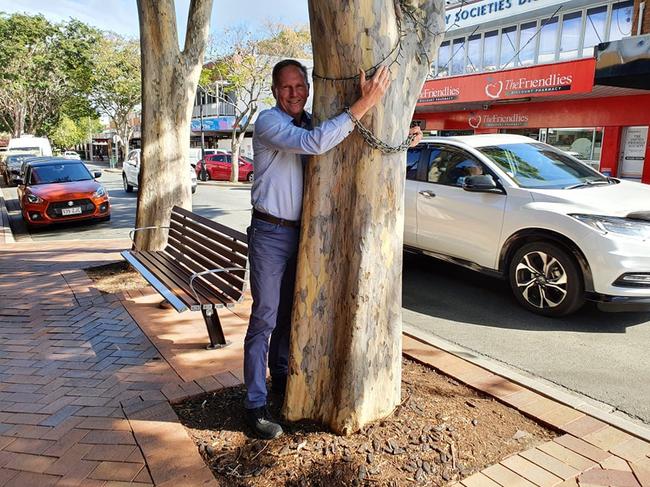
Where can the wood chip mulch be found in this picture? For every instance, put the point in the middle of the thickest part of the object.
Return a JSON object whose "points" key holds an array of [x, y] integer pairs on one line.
{"points": [[442, 432]]}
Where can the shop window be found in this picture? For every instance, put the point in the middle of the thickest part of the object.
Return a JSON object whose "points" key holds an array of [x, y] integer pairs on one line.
{"points": [[594, 29], [490, 50], [508, 47], [458, 56], [548, 40], [570, 41], [473, 54], [528, 42], [621, 23], [443, 59], [582, 143]]}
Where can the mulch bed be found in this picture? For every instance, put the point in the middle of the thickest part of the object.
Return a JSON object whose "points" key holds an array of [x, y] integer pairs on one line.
{"points": [[443, 431], [116, 277]]}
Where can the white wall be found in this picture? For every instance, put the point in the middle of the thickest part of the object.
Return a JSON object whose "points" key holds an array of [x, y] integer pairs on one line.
{"points": [[246, 148]]}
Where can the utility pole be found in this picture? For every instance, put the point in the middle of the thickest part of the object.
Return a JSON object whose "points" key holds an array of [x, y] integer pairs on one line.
{"points": [[204, 170]]}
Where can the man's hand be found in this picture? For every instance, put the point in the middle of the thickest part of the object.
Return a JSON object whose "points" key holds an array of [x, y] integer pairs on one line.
{"points": [[372, 90], [417, 131]]}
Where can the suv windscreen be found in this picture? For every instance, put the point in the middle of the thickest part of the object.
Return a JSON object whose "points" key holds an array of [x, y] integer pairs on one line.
{"points": [[59, 173], [541, 166]]}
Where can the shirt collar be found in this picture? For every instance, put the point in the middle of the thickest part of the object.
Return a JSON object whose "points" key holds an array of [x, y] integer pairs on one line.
{"points": [[305, 122]]}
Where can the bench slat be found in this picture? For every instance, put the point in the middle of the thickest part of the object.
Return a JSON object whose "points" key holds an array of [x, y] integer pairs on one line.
{"points": [[212, 224], [233, 243], [145, 259], [214, 279], [166, 265], [217, 249], [188, 252], [131, 258], [190, 228]]}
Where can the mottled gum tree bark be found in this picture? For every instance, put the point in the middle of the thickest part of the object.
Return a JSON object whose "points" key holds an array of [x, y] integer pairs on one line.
{"points": [[345, 365], [169, 80]]}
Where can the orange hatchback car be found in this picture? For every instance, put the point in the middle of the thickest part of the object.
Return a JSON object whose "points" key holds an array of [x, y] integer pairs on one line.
{"points": [[59, 190]]}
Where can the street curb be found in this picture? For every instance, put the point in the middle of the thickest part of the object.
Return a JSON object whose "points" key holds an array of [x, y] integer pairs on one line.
{"points": [[554, 393], [6, 235]]}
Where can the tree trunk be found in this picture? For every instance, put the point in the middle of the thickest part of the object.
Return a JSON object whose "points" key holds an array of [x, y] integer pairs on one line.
{"points": [[169, 81], [235, 144], [345, 365]]}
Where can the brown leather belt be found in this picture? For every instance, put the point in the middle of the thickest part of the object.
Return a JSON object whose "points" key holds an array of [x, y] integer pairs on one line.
{"points": [[275, 220]]}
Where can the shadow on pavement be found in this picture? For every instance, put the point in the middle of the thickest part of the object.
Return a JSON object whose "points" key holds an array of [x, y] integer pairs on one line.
{"points": [[442, 290]]}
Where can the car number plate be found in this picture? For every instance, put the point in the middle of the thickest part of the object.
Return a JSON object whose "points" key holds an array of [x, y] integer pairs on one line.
{"points": [[75, 210]]}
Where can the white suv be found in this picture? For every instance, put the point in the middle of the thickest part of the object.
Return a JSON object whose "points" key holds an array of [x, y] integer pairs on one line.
{"points": [[559, 231], [131, 172]]}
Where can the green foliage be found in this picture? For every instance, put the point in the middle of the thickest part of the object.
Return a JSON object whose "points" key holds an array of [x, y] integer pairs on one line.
{"points": [[116, 78], [45, 70], [69, 133], [286, 41]]}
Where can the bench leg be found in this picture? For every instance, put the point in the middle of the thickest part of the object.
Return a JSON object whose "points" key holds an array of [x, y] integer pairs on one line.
{"points": [[215, 332]]}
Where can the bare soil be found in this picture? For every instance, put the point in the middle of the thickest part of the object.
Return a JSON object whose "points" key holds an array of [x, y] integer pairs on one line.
{"points": [[443, 431], [116, 277]]}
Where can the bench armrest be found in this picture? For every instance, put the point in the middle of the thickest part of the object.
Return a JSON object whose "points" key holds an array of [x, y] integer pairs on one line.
{"points": [[210, 271], [132, 232]]}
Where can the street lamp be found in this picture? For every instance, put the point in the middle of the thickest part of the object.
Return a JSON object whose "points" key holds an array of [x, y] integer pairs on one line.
{"points": [[204, 172]]}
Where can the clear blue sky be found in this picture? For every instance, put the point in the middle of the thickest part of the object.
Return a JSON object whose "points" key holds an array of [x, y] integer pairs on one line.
{"points": [[121, 16]]}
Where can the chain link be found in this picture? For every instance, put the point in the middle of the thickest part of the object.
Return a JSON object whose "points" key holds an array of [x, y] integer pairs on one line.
{"points": [[373, 141]]}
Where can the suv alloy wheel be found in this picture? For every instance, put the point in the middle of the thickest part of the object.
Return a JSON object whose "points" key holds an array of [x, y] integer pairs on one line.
{"points": [[546, 280]]}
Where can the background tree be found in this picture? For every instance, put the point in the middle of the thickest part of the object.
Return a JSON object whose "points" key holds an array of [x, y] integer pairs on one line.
{"points": [[345, 365], [169, 81], [45, 70], [239, 74], [69, 133], [117, 84]]}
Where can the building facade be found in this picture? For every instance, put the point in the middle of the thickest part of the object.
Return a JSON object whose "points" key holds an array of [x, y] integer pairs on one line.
{"points": [[534, 68]]}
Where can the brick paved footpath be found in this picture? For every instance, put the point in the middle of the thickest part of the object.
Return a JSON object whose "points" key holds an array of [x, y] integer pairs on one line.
{"points": [[85, 395]]}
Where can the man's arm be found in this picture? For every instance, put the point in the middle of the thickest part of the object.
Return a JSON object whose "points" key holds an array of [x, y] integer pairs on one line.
{"points": [[279, 133]]}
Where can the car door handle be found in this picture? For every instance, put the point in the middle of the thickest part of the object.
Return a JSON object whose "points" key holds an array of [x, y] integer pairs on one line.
{"points": [[427, 194]]}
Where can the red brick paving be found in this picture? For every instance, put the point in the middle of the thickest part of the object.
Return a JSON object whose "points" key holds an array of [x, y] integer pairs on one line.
{"points": [[71, 362], [84, 394]]}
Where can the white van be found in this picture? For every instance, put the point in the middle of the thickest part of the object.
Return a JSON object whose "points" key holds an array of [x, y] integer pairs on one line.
{"points": [[28, 144]]}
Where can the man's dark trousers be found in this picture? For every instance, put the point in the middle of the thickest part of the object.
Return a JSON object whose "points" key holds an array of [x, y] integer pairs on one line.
{"points": [[272, 252]]}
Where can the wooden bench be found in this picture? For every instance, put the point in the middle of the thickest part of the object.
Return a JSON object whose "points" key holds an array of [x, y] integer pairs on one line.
{"points": [[202, 268]]}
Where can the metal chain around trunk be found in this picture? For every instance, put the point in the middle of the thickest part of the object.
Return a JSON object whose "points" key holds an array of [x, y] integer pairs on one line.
{"points": [[373, 141]]}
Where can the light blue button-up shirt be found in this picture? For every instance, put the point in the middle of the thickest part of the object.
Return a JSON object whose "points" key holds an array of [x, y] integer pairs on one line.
{"points": [[277, 147]]}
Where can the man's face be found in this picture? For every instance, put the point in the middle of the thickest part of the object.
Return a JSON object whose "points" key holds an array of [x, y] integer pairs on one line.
{"points": [[291, 91]]}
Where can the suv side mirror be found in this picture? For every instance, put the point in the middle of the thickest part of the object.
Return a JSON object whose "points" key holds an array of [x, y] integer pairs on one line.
{"points": [[481, 184], [97, 174]]}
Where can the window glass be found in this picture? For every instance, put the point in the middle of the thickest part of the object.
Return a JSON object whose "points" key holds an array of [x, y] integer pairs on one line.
{"points": [[458, 53], [548, 40], [451, 167], [594, 29], [528, 42], [508, 46], [443, 59], [582, 143], [537, 165], [473, 54], [59, 173], [570, 42], [412, 159], [621, 24], [490, 49]]}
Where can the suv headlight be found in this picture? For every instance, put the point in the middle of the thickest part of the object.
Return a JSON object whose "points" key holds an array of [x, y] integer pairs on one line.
{"points": [[617, 225], [99, 193], [32, 198]]}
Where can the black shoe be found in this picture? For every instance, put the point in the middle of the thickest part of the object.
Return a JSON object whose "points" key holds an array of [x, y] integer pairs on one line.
{"points": [[261, 423], [278, 384]]}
